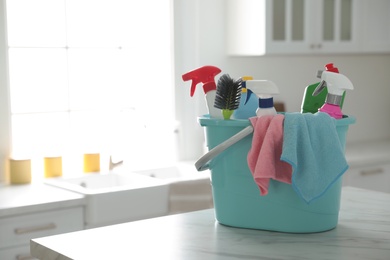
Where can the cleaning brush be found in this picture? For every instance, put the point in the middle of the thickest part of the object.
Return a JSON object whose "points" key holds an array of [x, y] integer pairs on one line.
{"points": [[228, 95]]}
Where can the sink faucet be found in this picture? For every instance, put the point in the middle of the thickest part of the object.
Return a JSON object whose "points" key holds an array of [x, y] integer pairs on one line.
{"points": [[114, 164]]}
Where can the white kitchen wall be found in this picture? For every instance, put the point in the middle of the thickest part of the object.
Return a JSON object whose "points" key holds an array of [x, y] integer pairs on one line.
{"points": [[4, 99], [200, 40]]}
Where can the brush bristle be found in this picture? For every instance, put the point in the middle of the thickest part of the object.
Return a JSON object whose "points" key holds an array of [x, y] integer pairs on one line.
{"points": [[228, 93]]}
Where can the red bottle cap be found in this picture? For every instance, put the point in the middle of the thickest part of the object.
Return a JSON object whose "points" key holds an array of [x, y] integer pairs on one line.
{"points": [[331, 68]]}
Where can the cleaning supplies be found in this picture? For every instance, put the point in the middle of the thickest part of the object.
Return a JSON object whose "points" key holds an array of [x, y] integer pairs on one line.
{"points": [[228, 95], [206, 76], [310, 103], [264, 90], [267, 141], [248, 109], [337, 84], [311, 145], [264, 155], [236, 196]]}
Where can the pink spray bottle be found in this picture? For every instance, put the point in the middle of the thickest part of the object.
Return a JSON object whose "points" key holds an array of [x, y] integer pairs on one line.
{"points": [[336, 84], [206, 76]]}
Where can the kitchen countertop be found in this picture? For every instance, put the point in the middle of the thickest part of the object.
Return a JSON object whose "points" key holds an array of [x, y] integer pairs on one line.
{"points": [[28, 198], [21, 199], [363, 232]]}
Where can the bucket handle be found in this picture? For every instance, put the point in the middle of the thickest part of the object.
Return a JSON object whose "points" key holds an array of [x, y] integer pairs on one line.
{"points": [[203, 162]]}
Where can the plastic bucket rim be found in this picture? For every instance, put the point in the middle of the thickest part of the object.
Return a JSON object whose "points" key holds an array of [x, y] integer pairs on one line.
{"points": [[206, 120]]}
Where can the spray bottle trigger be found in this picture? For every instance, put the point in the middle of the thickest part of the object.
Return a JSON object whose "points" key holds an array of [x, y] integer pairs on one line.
{"points": [[248, 95], [193, 87], [319, 88]]}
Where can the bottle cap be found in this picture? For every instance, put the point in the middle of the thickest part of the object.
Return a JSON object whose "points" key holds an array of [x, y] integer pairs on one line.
{"points": [[244, 79], [329, 67]]}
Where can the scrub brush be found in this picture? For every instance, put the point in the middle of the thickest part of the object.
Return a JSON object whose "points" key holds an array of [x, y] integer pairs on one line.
{"points": [[228, 95]]}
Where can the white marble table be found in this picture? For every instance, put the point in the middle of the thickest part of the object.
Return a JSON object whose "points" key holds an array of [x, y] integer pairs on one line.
{"points": [[363, 232]]}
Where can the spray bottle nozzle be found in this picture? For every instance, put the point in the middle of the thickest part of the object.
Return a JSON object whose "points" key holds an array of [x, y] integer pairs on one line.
{"points": [[328, 67], [203, 75], [263, 89], [336, 84]]}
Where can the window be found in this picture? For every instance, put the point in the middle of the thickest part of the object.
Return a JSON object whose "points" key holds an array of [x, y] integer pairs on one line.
{"points": [[90, 76]]}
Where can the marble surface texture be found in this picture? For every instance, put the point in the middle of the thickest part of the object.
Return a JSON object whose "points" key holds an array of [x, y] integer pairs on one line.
{"points": [[363, 232]]}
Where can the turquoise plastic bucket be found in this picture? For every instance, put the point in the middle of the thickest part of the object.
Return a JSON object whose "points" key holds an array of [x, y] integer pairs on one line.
{"points": [[237, 199]]}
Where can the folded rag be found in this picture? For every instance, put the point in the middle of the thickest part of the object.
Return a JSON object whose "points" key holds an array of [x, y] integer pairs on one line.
{"points": [[264, 156], [312, 146]]}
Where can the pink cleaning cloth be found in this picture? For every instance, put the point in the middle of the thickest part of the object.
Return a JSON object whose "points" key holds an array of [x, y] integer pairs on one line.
{"points": [[264, 156]]}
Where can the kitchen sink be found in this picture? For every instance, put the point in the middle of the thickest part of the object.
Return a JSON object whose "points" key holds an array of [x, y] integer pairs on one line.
{"points": [[118, 197], [104, 183], [189, 189], [170, 172], [179, 172]]}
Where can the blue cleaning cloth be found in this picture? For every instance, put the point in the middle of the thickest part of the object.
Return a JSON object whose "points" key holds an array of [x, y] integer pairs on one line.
{"points": [[312, 147]]}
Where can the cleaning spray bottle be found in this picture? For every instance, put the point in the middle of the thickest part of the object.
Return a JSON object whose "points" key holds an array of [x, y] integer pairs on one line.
{"points": [[264, 90], [336, 84], [206, 76], [310, 103], [248, 109]]}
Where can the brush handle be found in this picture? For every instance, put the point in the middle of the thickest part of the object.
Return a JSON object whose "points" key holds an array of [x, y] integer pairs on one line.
{"points": [[204, 162]]}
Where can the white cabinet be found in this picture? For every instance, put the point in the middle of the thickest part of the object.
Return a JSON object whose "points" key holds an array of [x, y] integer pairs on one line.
{"points": [[16, 231], [306, 26], [312, 26], [32, 211], [16, 253], [369, 165]]}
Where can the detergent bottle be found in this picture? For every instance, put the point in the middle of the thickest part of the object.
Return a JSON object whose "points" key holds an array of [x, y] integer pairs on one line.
{"points": [[310, 103], [206, 76], [246, 109], [336, 84], [264, 90]]}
